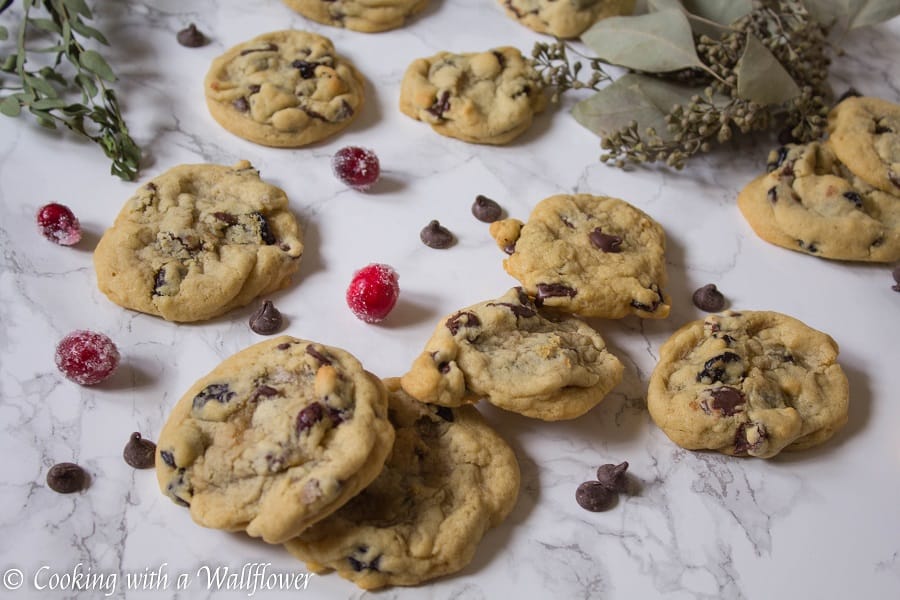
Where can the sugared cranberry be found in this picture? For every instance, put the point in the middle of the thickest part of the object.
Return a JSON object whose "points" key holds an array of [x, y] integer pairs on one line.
{"points": [[86, 357], [357, 167], [58, 224], [373, 292]]}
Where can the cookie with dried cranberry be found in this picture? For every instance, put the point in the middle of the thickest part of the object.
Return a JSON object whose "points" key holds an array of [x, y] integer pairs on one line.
{"points": [[275, 438], [449, 479], [199, 241], [517, 356], [564, 18], [810, 202], [286, 89], [368, 16], [591, 255], [484, 98], [864, 133], [750, 383]]}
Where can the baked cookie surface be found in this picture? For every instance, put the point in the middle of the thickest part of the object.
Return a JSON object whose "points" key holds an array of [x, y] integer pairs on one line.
{"points": [[864, 133], [198, 241], [564, 18], [450, 478], [275, 438], [284, 89], [811, 203], [485, 98], [592, 255], [749, 383], [368, 16], [517, 356]]}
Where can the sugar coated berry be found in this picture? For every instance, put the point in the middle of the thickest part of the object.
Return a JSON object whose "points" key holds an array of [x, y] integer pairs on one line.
{"points": [[373, 292], [357, 167], [86, 357], [58, 224]]}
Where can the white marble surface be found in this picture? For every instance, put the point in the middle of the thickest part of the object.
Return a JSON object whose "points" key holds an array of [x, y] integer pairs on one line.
{"points": [[821, 524]]}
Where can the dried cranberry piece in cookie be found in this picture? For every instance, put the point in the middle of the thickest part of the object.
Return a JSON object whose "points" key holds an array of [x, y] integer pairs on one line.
{"points": [[86, 357], [373, 292]]}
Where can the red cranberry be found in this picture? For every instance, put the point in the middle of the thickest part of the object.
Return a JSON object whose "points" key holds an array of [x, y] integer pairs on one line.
{"points": [[58, 224], [373, 292], [86, 357], [357, 167]]}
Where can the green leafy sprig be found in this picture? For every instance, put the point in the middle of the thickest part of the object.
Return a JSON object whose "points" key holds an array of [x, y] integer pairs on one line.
{"points": [[702, 71], [46, 91]]}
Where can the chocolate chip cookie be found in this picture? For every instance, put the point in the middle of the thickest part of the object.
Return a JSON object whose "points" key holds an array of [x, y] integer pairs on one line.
{"points": [[485, 98], [368, 16], [591, 255], [275, 438], [519, 357], [564, 18], [284, 89], [449, 479], [748, 383], [864, 133], [810, 202], [198, 241]]}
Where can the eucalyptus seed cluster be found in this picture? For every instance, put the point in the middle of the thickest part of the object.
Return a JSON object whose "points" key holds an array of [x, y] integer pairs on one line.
{"points": [[560, 74]]}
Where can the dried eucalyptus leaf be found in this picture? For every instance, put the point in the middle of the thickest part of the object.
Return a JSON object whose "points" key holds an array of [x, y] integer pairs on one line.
{"points": [[656, 42], [10, 106], [761, 78], [633, 97], [724, 13], [871, 12], [93, 62]]}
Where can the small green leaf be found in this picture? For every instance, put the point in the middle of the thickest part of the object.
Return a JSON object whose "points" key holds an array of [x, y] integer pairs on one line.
{"points": [[871, 12], [10, 106], [89, 32], [4, 33], [87, 85], [656, 42], [93, 62], [45, 25], [43, 117], [48, 103], [633, 97], [40, 85], [761, 78], [76, 109], [78, 7], [723, 13], [50, 75], [8, 63]]}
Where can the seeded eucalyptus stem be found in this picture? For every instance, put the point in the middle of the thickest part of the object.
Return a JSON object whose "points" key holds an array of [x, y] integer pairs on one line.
{"points": [[43, 91]]}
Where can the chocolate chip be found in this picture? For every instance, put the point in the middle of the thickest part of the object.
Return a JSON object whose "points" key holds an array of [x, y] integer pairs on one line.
{"points": [[500, 58], [854, 198], [566, 222], [510, 248], [309, 416], [486, 210], [895, 179], [462, 319], [777, 161], [613, 477], [139, 453], [66, 478], [726, 399], [714, 368], [265, 233], [323, 360], [444, 412], [168, 458], [358, 565], [517, 309], [440, 106], [772, 195], [444, 367], [594, 496], [742, 442], [220, 392], [283, 346], [191, 37], [159, 282], [263, 391], [605, 242], [307, 69], [709, 298], [880, 129], [435, 235], [225, 217], [808, 246], [241, 104], [553, 290], [646, 307], [266, 319], [896, 274], [254, 88]]}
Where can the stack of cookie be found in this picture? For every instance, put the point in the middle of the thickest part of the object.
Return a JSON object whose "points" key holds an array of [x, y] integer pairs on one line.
{"points": [[839, 199], [294, 442]]}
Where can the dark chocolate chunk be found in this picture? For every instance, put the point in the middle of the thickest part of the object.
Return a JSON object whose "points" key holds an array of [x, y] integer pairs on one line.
{"points": [[645, 307], [336, 415], [778, 160], [139, 453], [444, 412], [226, 217], [517, 309], [323, 360], [344, 112], [553, 290], [742, 445], [486, 210], [444, 367], [726, 399], [854, 198], [307, 69], [435, 235], [263, 391], [500, 58], [880, 129], [605, 242], [510, 248], [772, 195], [594, 496], [66, 478], [241, 104], [440, 106], [808, 246], [566, 222], [191, 37], [358, 565], [309, 416], [254, 88], [613, 477], [168, 457], [220, 392], [270, 47], [462, 319], [159, 282], [266, 319], [265, 233], [714, 368], [709, 298]]}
